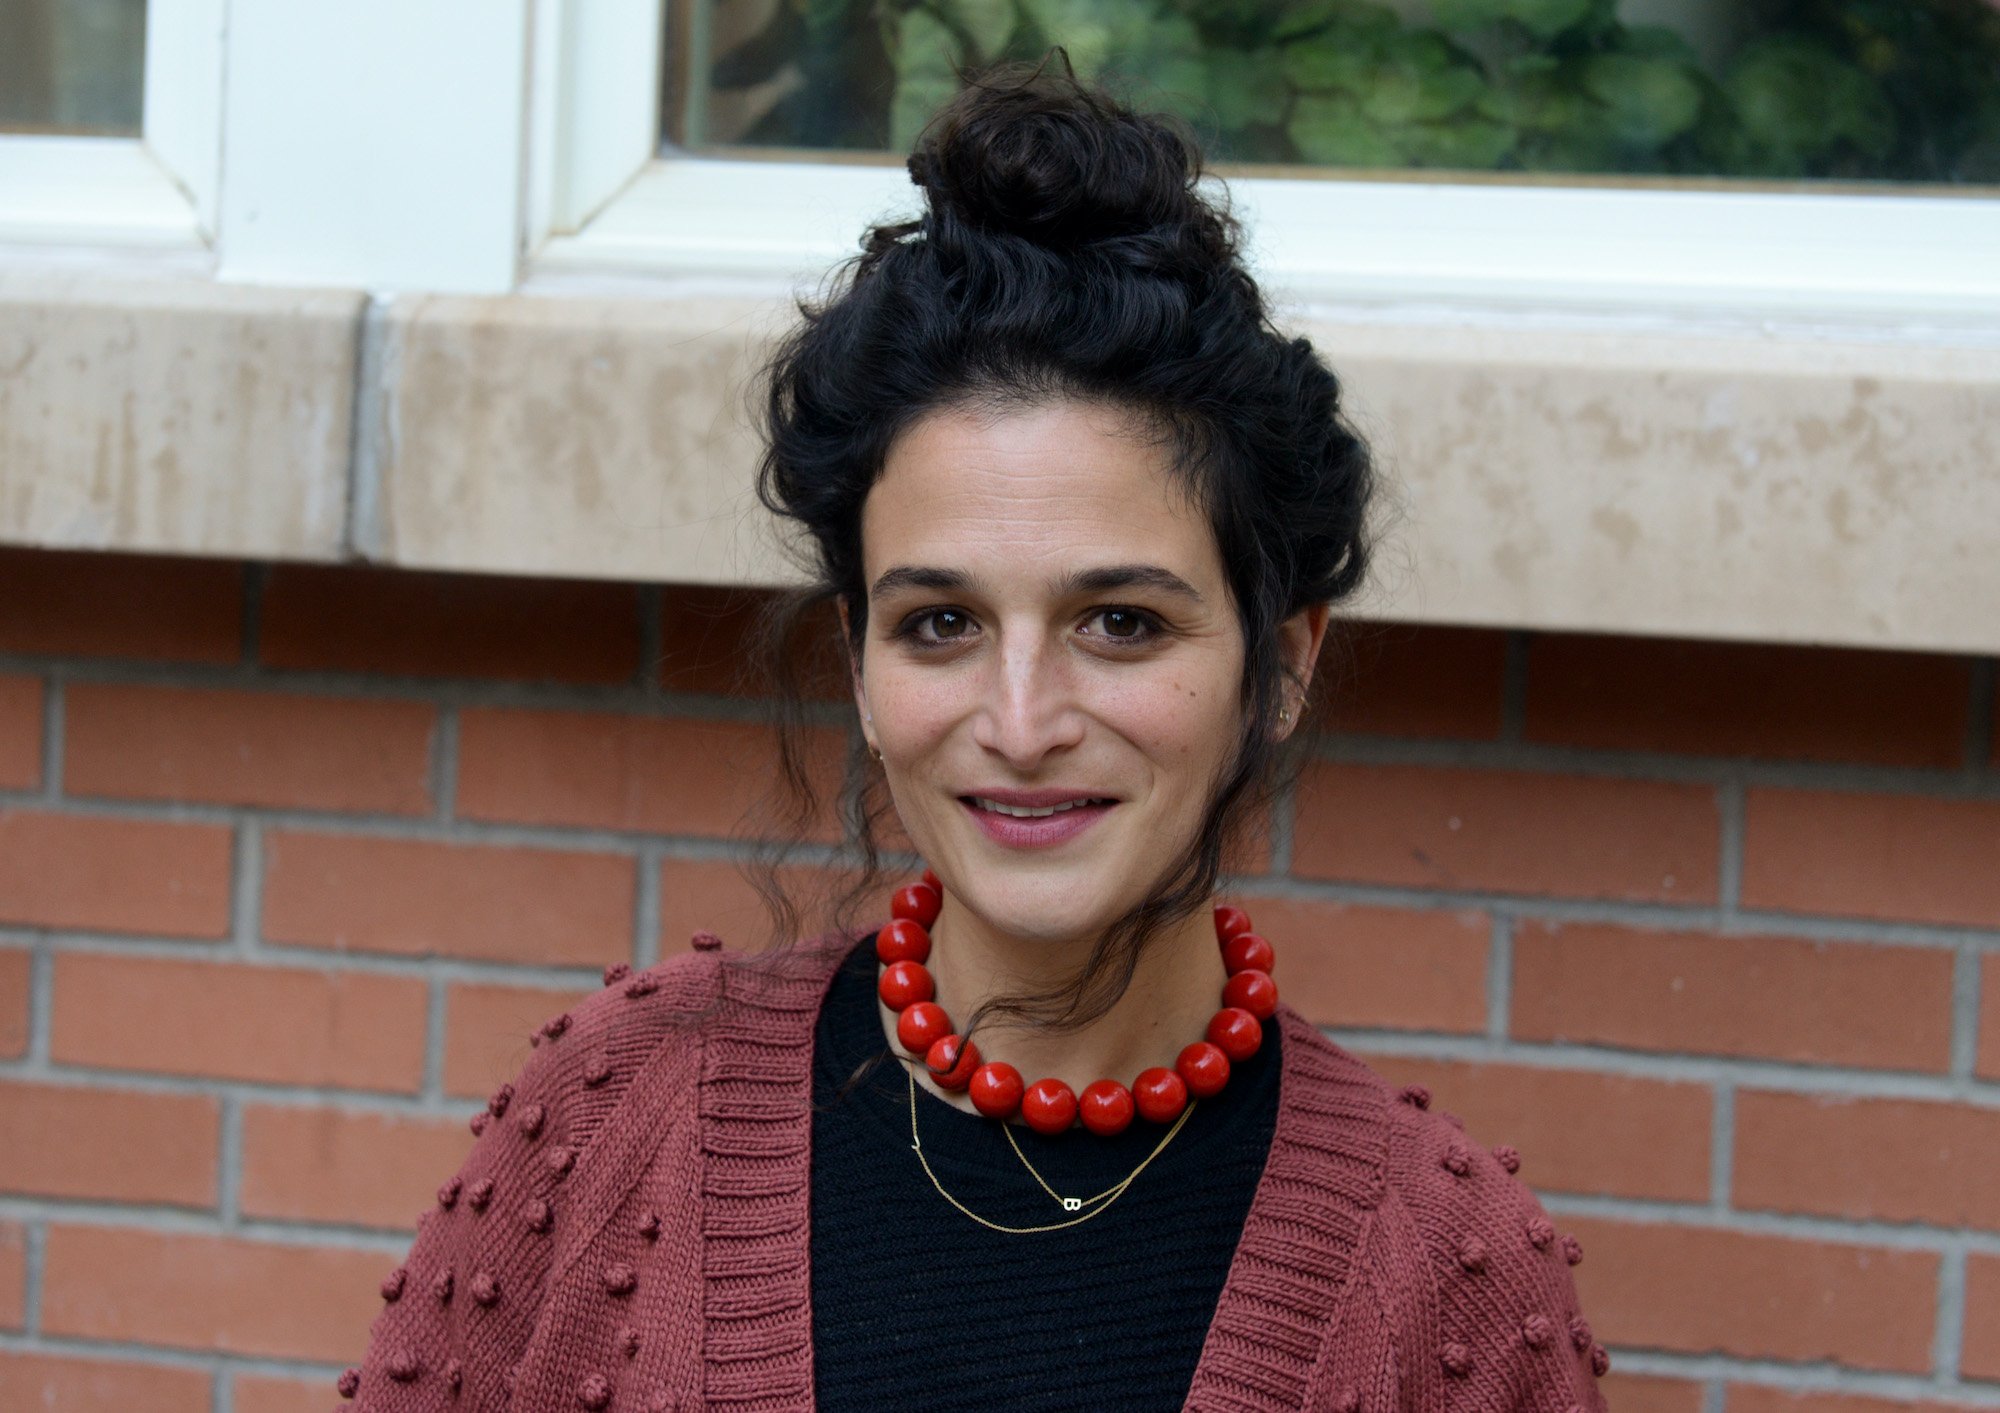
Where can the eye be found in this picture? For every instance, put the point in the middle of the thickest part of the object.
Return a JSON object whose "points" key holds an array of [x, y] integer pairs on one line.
{"points": [[935, 627], [948, 623], [1121, 625]]}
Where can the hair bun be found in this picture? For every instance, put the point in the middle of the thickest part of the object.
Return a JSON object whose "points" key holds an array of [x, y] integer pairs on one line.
{"points": [[1038, 155]]}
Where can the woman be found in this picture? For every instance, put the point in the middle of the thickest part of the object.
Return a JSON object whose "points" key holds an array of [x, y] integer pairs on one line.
{"points": [[1083, 514]]}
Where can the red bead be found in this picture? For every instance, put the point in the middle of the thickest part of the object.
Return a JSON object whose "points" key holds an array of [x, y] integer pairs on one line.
{"points": [[921, 1026], [903, 940], [1230, 922], [1253, 991], [1247, 952], [904, 984], [1049, 1106], [951, 1062], [1203, 1068], [932, 879], [917, 901], [996, 1089], [1161, 1094], [1105, 1107], [1236, 1033]]}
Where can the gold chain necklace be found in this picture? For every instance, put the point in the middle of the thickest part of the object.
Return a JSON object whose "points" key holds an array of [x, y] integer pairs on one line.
{"points": [[1100, 1203]]}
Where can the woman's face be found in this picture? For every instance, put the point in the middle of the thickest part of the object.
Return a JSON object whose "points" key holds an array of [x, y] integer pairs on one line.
{"points": [[1053, 664]]}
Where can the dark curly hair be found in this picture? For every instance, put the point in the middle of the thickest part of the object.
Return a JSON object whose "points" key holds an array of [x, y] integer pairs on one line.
{"points": [[1064, 253]]}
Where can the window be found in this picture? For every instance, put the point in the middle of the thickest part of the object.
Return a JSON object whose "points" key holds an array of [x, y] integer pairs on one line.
{"points": [[72, 66], [774, 128], [1845, 90], [110, 123]]}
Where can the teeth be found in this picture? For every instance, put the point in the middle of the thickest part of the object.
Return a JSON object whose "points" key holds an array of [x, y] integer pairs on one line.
{"points": [[1026, 811]]}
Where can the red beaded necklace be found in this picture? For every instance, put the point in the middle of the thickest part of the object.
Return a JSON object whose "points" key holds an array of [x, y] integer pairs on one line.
{"points": [[1048, 1105]]}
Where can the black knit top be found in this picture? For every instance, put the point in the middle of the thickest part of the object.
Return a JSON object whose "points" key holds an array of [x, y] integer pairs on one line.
{"points": [[917, 1306]]}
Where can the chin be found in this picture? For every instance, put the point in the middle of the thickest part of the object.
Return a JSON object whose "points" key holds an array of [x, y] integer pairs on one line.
{"points": [[1040, 910]]}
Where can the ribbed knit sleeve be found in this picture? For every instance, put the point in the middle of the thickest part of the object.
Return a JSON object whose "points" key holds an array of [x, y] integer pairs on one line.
{"points": [[1510, 1335], [460, 1310]]}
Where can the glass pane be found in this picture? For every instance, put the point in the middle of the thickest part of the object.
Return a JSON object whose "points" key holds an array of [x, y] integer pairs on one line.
{"points": [[1847, 90], [72, 66]]}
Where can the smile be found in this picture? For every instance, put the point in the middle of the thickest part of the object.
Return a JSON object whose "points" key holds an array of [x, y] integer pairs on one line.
{"points": [[1032, 811], [1035, 819]]}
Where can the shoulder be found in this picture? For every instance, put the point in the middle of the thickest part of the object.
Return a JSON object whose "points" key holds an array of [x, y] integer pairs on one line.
{"points": [[582, 1062], [554, 1147], [599, 1040], [1510, 1330], [602, 1042]]}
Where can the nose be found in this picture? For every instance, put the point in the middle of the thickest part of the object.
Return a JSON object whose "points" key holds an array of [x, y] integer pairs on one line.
{"points": [[1028, 709]]}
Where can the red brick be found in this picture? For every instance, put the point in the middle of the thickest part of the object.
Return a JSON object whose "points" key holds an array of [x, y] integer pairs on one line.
{"points": [[108, 1145], [1673, 1287], [29, 1380], [209, 1292], [1400, 969], [1980, 1339], [274, 749], [1781, 998], [666, 775], [231, 1020], [16, 966], [60, 603], [1896, 1160], [13, 1276], [1507, 831], [1756, 1398], [1989, 1016], [401, 622], [330, 1165], [20, 732], [1249, 856], [699, 895], [486, 1030], [1576, 1130], [114, 875], [1748, 699], [708, 644], [1894, 857], [267, 1393], [1400, 680], [1647, 1393], [713, 896], [417, 897]]}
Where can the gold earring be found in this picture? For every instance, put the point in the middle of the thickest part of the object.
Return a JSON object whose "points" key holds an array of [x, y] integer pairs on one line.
{"points": [[1284, 713], [875, 751]]}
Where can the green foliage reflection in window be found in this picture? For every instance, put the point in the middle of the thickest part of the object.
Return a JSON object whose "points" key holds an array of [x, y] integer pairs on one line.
{"points": [[1905, 90]]}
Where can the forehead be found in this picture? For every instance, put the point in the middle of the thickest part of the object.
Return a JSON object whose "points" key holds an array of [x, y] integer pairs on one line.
{"points": [[1031, 489]]}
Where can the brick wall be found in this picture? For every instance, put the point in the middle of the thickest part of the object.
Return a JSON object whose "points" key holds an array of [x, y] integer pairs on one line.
{"points": [[293, 858]]}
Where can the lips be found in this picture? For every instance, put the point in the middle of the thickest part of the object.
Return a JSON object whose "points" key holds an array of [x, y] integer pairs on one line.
{"points": [[987, 802], [1027, 819]]}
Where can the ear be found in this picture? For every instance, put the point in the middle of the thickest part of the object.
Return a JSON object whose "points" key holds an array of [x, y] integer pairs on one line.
{"points": [[854, 675], [1299, 640]]}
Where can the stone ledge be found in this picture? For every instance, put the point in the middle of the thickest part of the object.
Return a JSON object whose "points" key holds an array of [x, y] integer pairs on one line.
{"points": [[181, 416], [1721, 487]]}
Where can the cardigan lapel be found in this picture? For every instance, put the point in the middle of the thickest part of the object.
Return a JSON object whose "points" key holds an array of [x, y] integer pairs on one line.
{"points": [[1279, 1304], [1300, 1240], [756, 1193]]}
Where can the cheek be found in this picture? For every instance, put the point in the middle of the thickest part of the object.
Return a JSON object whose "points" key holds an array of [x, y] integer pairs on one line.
{"points": [[913, 709], [1179, 718]]}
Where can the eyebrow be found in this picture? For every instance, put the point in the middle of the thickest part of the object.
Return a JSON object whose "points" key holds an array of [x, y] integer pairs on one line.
{"points": [[1080, 581]]}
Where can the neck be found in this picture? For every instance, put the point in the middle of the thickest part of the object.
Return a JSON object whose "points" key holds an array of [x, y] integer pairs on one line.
{"points": [[1173, 992]]}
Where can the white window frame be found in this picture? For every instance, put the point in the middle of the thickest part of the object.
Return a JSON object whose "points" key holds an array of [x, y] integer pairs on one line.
{"points": [[1916, 262], [155, 193]]}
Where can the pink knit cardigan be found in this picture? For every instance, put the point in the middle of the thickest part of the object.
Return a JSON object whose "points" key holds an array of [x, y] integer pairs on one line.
{"points": [[630, 1232]]}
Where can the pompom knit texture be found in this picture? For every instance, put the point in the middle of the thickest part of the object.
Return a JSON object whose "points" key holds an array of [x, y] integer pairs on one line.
{"points": [[630, 1232]]}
